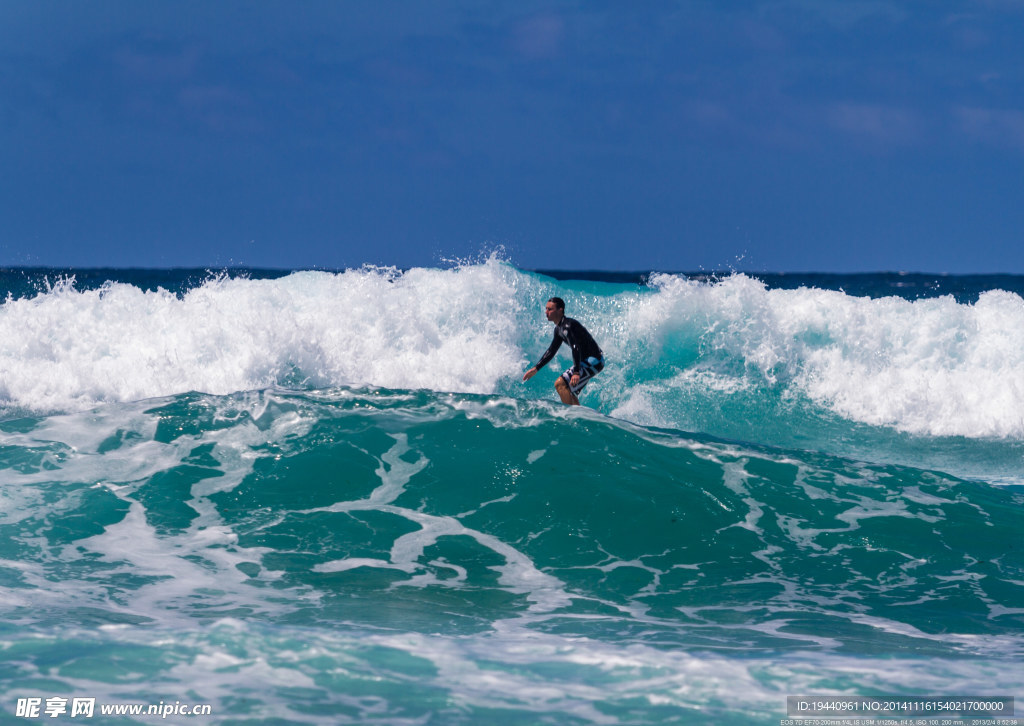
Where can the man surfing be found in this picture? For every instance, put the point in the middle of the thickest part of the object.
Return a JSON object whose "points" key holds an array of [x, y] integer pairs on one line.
{"points": [[587, 358]]}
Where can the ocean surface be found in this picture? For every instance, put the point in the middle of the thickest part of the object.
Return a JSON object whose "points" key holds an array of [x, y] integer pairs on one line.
{"points": [[322, 497]]}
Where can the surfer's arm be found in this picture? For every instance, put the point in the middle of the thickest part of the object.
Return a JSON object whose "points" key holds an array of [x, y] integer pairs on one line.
{"points": [[549, 353], [544, 359]]}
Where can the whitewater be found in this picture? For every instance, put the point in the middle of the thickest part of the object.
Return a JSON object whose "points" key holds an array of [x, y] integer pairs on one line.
{"points": [[732, 358], [328, 497]]}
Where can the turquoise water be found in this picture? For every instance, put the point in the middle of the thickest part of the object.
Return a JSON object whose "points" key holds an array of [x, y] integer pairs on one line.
{"points": [[327, 497]]}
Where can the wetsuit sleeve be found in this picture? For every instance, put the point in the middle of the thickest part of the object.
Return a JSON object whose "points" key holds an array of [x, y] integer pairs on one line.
{"points": [[549, 353]]}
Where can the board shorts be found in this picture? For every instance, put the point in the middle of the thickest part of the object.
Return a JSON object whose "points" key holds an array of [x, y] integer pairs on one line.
{"points": [[589, 367]]}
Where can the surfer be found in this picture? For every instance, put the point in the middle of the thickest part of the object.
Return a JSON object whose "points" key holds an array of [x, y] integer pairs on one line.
{"points": [[587, 358]]}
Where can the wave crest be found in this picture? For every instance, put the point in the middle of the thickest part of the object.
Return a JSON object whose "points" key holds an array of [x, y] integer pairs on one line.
{"points": [[731, 357]]}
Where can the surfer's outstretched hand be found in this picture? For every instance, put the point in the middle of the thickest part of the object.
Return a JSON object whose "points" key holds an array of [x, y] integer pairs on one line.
{"points": [[529, 374]]}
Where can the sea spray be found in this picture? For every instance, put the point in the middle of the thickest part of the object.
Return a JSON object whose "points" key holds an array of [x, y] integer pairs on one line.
{"points": [[930, 366], [65, 349]]}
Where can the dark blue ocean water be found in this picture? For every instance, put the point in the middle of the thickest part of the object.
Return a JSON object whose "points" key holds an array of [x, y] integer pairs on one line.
{"points": [[23, 281], [327, 497]]}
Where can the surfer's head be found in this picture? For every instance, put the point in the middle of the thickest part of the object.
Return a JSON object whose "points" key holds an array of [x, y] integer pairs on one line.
{"points": [[555, 310]]}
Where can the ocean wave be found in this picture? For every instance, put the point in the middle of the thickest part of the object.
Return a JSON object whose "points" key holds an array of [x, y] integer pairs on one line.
{"points": [[66, 349], [929, 367], [408, 554], [730, 357], [558, 519]]}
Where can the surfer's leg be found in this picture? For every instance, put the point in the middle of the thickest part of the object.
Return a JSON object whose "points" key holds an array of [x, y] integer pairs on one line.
{"points": [[570, 393], [567, 396]]}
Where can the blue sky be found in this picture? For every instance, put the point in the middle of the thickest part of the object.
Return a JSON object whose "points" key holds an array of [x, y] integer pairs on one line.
{"points": [[789, 135]]}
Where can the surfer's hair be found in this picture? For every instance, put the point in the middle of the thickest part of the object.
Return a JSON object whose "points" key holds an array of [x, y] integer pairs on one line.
{"points": [[559, 302]]}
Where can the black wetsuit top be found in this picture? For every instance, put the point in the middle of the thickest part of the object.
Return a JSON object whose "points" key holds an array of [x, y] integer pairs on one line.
{"points": [[579, 340]]}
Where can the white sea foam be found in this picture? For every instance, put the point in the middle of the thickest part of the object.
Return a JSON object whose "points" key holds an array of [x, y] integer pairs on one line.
{"points": [[932, 366], [440, 329], [543, 676]]}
